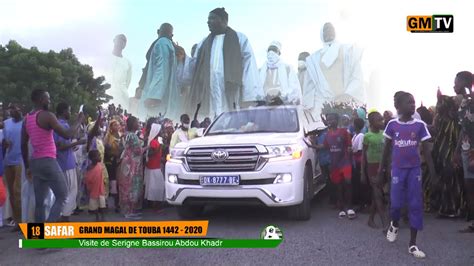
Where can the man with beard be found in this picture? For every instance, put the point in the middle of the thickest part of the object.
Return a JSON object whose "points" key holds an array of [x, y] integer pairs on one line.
{"points": [[38, 128], [225, 73]]}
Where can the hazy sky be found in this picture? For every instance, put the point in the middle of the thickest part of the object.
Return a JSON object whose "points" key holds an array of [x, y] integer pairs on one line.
{"points": [[394, 59]]}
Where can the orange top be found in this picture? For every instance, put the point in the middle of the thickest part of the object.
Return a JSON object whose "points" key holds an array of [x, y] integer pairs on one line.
{"points": [[95, 181]]}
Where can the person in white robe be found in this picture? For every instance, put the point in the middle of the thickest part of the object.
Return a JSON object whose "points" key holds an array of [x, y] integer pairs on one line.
{"points": [[302, 67], [154, 180], [334, 74], [160, 92], [279, 80], [120, 74], [224, 72]]}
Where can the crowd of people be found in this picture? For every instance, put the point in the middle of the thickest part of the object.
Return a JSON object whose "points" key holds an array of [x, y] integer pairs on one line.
{"points": [[106, 160], [418, 161]]}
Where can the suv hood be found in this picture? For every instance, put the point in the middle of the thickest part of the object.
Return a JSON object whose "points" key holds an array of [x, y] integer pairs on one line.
{"points": [[257, 138]]}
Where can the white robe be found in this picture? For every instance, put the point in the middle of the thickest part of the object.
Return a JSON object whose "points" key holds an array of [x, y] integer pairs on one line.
{"points": [[252, 89], [317, 89], [288, 82], [119, 77]]}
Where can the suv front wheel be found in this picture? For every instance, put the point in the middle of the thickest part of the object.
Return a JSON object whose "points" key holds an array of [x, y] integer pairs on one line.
{"points": [[302, 211]]}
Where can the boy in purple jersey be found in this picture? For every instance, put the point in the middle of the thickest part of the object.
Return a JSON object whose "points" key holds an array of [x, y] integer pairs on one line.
{"points": [[403, 136]]}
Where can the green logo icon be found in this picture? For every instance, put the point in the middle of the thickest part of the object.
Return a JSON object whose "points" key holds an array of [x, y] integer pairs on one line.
{"points": [[271, 232]]}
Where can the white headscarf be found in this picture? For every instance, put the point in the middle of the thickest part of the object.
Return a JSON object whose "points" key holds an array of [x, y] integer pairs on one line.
{"points": [[273, 59], [155, 129], [277, 44], [330, 50]]}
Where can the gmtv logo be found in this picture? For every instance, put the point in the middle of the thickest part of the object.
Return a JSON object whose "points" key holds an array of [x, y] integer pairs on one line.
{"points": [[434, 23]]}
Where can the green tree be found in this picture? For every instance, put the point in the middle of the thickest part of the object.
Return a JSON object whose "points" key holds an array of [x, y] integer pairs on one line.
{"points": [[61, 74]]}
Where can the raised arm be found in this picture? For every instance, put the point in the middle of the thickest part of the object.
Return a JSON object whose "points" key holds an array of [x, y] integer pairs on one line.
{"points": [[53, 123], [197, 111]]}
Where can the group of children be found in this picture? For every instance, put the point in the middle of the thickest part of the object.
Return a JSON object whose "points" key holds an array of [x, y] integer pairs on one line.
{"points": [[391, 151]]}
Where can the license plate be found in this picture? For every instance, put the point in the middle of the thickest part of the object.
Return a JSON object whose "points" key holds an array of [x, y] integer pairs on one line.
{"points": [[231, 180]]}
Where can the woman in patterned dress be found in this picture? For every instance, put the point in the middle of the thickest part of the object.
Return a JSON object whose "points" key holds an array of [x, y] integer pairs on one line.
{"points": [[130, 173]]}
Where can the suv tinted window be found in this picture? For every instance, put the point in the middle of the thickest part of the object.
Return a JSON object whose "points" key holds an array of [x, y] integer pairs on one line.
{"points": [[283, 120]]}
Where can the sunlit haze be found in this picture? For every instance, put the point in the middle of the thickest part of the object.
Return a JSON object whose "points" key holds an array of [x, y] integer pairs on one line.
{"points": [[394, 59]]}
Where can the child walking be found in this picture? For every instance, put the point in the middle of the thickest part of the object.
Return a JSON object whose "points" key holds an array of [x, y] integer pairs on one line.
{"points": [[338, 141], [94, 181], [403, 136], [324, 159], [371, 158], [359, 195]]}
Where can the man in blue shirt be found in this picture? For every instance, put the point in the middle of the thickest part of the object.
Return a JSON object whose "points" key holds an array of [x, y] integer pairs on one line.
{"points": [[13, 161], [67, 160]]}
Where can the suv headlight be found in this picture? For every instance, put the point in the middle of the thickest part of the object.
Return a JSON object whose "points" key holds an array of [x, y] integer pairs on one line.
{"points": [[176, 155], [284, 152]]}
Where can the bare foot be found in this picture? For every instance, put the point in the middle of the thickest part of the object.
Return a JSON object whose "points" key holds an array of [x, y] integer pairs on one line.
{"points": [[372, 224]]}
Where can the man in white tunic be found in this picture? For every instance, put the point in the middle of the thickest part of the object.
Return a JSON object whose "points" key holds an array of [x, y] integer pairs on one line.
{"points": [[333, 74], [224, 72], [278, 78], [120, 73]]}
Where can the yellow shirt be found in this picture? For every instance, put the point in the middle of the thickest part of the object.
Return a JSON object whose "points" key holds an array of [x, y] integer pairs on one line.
{"points": [[183, 136]]}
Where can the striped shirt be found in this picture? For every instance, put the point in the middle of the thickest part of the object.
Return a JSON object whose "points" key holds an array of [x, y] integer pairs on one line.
{"points": [[41, 139]]}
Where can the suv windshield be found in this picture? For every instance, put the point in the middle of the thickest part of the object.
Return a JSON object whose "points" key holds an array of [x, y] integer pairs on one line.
{"points": [[278, 120]]}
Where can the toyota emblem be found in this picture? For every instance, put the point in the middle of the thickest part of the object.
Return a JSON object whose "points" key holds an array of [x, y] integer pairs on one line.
{"points": [[219, 155]]}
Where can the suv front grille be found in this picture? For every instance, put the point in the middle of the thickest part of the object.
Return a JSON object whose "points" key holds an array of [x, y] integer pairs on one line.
{"points": [[243, 158]]}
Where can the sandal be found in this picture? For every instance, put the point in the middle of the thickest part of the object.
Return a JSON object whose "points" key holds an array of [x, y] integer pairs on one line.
{"points": [[392, 233], [342, 214], [351, 214], [416, 252]]}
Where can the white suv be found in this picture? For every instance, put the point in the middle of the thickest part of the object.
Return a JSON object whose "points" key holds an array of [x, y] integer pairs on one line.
{"points": [[254, 156]]}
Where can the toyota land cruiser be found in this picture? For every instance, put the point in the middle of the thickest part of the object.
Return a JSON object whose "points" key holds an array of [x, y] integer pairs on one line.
{"points": [[261, 155]]}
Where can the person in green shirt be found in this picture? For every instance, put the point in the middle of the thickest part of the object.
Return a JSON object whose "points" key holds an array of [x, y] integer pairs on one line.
{"points": [[371, 158]]}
